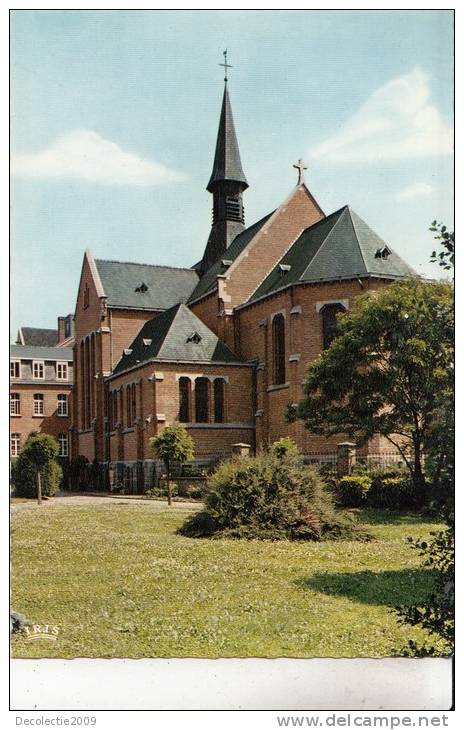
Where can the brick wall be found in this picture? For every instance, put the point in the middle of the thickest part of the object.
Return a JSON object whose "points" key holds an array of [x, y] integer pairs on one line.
{"points": [[303, 343], [50, 422], [157, 391]]}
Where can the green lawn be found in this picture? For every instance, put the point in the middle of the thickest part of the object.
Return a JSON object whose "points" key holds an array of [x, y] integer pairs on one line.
{"points": [[118, 581]]}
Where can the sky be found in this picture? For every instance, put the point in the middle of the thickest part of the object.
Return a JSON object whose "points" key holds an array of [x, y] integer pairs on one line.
{"points": [[114, 117]]}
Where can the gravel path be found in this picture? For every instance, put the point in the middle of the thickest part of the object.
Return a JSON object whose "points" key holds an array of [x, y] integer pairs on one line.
{"points": [[102, 499]]}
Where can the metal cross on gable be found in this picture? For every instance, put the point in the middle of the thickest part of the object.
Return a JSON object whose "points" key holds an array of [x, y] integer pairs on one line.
{"points": [[225, 64], [301, 168]]}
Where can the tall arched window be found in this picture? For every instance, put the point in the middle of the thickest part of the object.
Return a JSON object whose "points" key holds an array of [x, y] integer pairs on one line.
{"points": [[82, 394], [278, 345], [184, 400], [201, 400], [219, 393], [330, 325]]}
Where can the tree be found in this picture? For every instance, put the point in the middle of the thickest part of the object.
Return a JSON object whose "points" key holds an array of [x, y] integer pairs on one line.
{"points": [[445, 258], [384, 372], [173, 445], [41, 450]]}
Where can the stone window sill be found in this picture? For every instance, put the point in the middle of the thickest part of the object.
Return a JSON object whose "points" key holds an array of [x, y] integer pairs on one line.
{"points": [[281, 386]]}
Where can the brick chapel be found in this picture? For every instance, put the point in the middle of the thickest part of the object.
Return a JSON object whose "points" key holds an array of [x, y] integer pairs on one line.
{"points": [[221, 346]]}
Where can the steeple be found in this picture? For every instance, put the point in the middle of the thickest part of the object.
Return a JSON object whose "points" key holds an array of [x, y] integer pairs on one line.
{"points": [[227, 166], [226, 184]]}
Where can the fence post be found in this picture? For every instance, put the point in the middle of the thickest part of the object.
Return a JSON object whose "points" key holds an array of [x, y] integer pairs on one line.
{"points": [[346, 457], [242, 449]]}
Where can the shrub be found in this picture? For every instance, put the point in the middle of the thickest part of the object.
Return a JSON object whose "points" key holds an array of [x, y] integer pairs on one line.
{"points": [[269, 497], [352, 491], [285, 448], [77, 471], [392, 493], [24, 477]]}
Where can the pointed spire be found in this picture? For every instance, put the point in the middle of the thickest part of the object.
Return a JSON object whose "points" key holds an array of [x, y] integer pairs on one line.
{"points": [[227, 164]]}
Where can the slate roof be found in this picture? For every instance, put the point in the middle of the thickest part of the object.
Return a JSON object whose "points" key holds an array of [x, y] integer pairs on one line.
{"points": [[25, 352], [165, 285], [208, 281], [340, 246], [227, 164], [37, 337], [172, 336]]}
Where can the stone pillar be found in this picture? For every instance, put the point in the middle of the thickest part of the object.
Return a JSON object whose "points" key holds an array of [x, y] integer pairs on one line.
{"points": [[346, 457], [241, 449]]}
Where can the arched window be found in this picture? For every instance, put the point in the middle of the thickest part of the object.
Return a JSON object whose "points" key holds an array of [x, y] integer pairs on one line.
{"points": [[201, 400], [278, 345], [330, 325], [184, 400], [219, 392]]}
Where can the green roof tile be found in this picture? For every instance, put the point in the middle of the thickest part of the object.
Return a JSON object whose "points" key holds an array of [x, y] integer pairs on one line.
{"points": [[143, 286], [339, 246], [178, 335]]}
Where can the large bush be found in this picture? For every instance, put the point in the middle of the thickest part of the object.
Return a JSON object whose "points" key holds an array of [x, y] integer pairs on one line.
{"points": [[24, 477], [269, 497], [352, 490], [396, 492]]}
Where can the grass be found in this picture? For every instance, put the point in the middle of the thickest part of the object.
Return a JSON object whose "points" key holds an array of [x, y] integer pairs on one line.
{"points": [[118, 581]]}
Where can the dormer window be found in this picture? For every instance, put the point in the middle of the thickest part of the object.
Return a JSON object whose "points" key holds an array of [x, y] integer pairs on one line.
{"points": [[128, 351], [226, 262], [382, 253], [283, 268], [194, 337], [142, 288], [146, 342]]}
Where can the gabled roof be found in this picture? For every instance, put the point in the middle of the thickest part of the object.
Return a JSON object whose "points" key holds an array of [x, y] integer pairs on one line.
{"points": [[143, 286], [207, 282], [37, 337], [25, 352], [227, 164], [340, 246], [175, 335]]}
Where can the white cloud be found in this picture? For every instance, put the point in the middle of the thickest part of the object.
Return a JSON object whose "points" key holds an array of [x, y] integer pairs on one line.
{"points": [[417, 190], [395, 123], [85, 155]]}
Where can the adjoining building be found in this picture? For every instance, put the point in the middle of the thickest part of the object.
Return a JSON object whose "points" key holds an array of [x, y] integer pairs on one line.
{"points": [[41, 380]]}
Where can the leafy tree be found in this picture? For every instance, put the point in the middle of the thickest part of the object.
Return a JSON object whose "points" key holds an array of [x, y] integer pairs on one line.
{"points": [[40, 450], [173, 445], [436, 614], [445, 258], [385, 371]]}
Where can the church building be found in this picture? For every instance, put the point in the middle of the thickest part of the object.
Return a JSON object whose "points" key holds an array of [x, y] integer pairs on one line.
{"points": [[222, 345]]}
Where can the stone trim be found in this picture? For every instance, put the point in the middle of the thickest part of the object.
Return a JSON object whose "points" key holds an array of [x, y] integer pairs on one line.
{"points": [[281, 386], [297, 310], [221, 426], [344, 302], [295, 357]]}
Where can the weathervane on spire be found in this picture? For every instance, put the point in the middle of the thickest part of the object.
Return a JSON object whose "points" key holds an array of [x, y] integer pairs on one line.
{"points": [[225, 65], [301, 168]]}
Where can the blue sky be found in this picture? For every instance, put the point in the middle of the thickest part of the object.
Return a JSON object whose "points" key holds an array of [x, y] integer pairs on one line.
{"points": [[115, 114]]}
